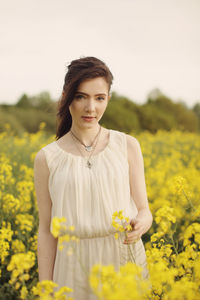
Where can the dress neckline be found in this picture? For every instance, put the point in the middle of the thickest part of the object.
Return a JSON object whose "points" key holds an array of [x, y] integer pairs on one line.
{"points": [[84, 157]]}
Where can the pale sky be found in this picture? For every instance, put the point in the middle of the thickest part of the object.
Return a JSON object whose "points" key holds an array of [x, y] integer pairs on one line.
{"points": [[146, 44]]}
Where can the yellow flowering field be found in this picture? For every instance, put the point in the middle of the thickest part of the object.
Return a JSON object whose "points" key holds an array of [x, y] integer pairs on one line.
{"points": [[172, 173]]}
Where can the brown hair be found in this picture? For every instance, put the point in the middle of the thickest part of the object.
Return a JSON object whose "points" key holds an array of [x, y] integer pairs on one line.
{"points": [[78, 71]]}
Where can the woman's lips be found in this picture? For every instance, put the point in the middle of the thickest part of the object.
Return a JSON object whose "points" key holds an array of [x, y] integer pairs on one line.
{"points": [[88, 119]]}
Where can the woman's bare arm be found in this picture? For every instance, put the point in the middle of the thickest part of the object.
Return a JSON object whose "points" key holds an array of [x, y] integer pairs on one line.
{"points": [[47, 244], [143, 220]]}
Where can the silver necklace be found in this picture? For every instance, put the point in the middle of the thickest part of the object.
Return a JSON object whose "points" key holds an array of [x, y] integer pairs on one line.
{"points": [[88, 164], [87, 148]]}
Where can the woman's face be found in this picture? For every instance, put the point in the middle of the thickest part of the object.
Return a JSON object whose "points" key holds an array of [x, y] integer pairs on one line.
{"points": [[89, 103]]}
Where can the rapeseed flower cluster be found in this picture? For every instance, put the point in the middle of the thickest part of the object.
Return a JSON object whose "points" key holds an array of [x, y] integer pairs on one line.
{"points": [[19, 265], [63, 232], [10, 204], [24, 221], [18, 246], [192, 235], [120, 222], [165, 218], [126, 283], [44, 290], [6, 178], [6, 234]]}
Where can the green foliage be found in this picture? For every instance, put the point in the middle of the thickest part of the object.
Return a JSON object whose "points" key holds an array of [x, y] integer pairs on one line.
{"points": [[121, 114], [6, 117], [22, 119], [28, 113], [41, 101], [162, 113], [196, 110], [158, 113]]}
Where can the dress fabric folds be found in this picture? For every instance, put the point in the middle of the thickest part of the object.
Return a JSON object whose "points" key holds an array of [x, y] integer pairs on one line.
{"points": [[87, 198]]}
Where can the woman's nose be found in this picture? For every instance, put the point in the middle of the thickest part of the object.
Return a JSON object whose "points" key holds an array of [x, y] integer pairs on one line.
{"points": [[90, 106]]}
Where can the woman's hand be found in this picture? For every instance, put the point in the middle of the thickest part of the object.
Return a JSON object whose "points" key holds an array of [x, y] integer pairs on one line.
{"points": [[140, 225]]}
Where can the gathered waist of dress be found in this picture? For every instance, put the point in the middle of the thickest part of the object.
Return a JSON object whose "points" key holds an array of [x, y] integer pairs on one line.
{"points": [[93, 235], [96, 236]]}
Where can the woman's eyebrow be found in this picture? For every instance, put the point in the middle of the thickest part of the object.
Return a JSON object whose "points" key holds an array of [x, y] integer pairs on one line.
{"points": [[88, 95]]}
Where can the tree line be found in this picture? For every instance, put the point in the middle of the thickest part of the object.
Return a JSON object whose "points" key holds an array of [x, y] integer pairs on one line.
{"points": [[123, 114]]}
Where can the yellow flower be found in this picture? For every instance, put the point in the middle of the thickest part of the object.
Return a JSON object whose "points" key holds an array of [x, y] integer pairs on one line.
{"points": [[118, 215], [129, 227], [71, 228], [23, 293], [192, 230], [24, 221], [10, 203], [127, 283], [116, 235], [57, 226], [6, 234], [19, 265], [18, 246], [45, 289], [42, 125]]}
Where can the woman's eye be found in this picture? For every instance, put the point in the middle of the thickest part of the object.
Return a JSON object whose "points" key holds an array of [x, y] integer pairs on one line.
{"points": [[82, 96], [79, 96]]}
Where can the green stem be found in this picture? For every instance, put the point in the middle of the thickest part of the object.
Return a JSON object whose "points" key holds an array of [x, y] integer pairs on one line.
{"points": [[133, 258], [189, 201], [129, 248], [174, 246]]}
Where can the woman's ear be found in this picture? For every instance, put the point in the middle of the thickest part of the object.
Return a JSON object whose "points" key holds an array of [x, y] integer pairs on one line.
{"points": [[109, 96]]}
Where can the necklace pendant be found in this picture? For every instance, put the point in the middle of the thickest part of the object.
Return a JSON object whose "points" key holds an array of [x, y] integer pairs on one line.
{"points": [[88, 148], [89, 165]]}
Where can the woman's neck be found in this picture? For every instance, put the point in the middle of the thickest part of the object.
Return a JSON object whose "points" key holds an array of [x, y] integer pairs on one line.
{"points": [[86, 135]]}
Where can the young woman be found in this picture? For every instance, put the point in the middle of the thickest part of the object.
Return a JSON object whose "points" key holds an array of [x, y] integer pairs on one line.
{"points": [[86, 175]]}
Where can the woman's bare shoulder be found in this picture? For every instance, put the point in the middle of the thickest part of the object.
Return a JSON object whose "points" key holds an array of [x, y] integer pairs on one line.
{"points": [[40, 156], [40, 160], [133, 147], [132, 142]]}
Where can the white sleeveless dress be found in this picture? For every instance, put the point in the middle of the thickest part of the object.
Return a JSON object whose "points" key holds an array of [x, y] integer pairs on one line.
{"points": [[88, 197]]}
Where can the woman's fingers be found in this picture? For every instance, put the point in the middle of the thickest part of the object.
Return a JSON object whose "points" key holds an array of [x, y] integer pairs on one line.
{"points": [[133, 235], [135, 224], [136, 233], [130, 241]]}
